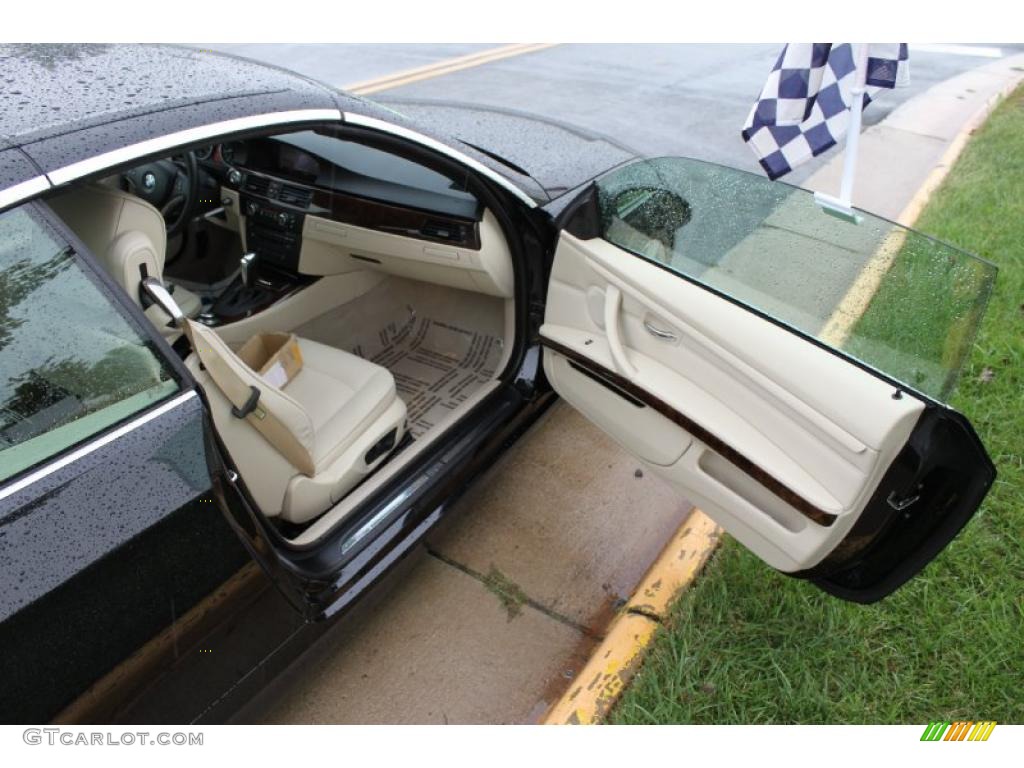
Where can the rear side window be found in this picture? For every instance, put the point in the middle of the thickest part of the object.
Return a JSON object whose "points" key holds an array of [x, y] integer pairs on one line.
{"points": [[70, 364]]}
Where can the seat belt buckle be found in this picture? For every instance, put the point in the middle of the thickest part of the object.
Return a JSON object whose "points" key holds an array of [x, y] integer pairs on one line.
{"points": [[249, 406]]}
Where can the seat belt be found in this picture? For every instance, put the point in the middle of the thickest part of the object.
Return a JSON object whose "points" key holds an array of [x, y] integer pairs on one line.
{"points": [[244, 397]]}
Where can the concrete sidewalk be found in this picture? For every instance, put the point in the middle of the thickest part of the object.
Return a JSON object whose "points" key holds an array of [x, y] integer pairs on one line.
{"points": [[501, 610], [899, 154]]}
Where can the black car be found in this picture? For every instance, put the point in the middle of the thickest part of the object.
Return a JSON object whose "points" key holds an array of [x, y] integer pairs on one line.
{"points": [[172, 221]]}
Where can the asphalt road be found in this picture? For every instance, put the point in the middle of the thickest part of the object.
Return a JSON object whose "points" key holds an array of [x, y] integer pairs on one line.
{"points": [[683, 100]]}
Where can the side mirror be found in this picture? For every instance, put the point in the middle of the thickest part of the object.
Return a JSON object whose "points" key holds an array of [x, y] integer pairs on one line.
{"points": [[157, 292]]}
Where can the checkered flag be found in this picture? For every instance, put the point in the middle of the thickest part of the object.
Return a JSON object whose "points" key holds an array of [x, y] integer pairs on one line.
{"points": [[804, 108]]}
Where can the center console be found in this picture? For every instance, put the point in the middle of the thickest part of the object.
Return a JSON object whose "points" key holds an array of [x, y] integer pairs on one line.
{"points": [[243, 299], [273, 231], [269, 271]]}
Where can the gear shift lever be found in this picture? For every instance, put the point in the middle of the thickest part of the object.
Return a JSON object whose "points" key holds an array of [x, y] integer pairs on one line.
{"points": [[248, 268]]}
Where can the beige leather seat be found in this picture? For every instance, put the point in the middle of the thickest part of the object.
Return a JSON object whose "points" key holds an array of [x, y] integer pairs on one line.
{"points": [[341, 414], [128, 237]]}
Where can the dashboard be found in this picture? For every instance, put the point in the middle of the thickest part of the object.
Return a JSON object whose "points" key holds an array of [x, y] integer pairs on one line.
{"points": [[335, 165], [282, 179], [314, 204], [272, 156]]}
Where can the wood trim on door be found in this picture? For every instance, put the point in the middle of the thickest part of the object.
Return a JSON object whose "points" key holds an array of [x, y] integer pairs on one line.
{"points": [[615, 381]]}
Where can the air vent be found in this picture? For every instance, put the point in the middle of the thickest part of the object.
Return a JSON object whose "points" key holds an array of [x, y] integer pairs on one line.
{"points": [[296, 196], [257, 185], [442, 230]]}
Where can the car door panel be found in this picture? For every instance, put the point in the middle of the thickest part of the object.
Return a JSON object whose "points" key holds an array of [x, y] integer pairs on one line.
{"points": [[930, 491], [100, 483], [783, 368], [100, 556], [735, 413]]}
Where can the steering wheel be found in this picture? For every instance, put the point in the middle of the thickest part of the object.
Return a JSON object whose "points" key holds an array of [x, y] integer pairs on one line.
{"points": [[172, 186]]}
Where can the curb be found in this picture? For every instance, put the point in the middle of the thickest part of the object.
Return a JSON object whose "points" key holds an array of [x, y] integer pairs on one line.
{"points": [[615, 661], [938, 174]]}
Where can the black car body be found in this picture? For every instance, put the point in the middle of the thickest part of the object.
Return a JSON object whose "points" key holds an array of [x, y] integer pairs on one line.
{"points": [[116, 545]]}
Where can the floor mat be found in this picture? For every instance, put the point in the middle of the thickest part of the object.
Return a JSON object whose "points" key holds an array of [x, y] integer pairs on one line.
{"points": [[441, 344]]}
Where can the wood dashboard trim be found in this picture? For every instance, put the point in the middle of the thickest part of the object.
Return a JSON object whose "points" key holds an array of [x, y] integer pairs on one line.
{"points": [[715, 443], [379, 216], [393, 219]]}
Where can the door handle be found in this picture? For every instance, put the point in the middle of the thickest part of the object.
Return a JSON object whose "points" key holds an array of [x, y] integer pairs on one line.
{"points": [[656, 331], [612, 305]]}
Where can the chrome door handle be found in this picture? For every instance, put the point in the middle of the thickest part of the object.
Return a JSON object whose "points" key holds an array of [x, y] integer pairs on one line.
{"points": [[655, 331]]}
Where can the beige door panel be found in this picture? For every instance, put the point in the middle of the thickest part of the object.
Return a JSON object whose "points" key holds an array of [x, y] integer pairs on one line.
{"points": [[780, 440], [642, 431]]}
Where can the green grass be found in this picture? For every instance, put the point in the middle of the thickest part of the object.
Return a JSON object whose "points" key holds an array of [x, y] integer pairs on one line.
{"points": [[748, 645], [510, 595], [921, 322]]}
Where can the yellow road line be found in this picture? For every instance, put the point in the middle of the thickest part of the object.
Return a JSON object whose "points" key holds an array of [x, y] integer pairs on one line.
{"points": [[614, 662], [446, 67]]}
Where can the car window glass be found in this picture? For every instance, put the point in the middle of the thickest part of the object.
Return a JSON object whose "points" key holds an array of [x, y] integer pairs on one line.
{"points": [[70, 364], [894, 299]]}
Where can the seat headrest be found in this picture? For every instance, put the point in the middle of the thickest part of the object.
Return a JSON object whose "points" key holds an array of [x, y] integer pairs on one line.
{"points": [[107, 220]]}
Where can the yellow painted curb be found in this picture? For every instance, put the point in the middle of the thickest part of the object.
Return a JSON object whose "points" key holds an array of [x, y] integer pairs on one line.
{"points": [[677, 566], [600, 683], [445, 67], [614, 662]]}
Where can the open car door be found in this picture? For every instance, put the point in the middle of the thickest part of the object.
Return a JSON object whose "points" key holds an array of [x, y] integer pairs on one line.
{"points": [[785, 369]]}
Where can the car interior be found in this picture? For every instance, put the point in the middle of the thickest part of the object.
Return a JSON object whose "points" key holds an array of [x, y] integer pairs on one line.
{"points": [[395, 280]]}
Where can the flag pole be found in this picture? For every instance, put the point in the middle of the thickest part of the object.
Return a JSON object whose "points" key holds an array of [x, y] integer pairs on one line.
{"points": [[842, 206], [853, 132]]}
